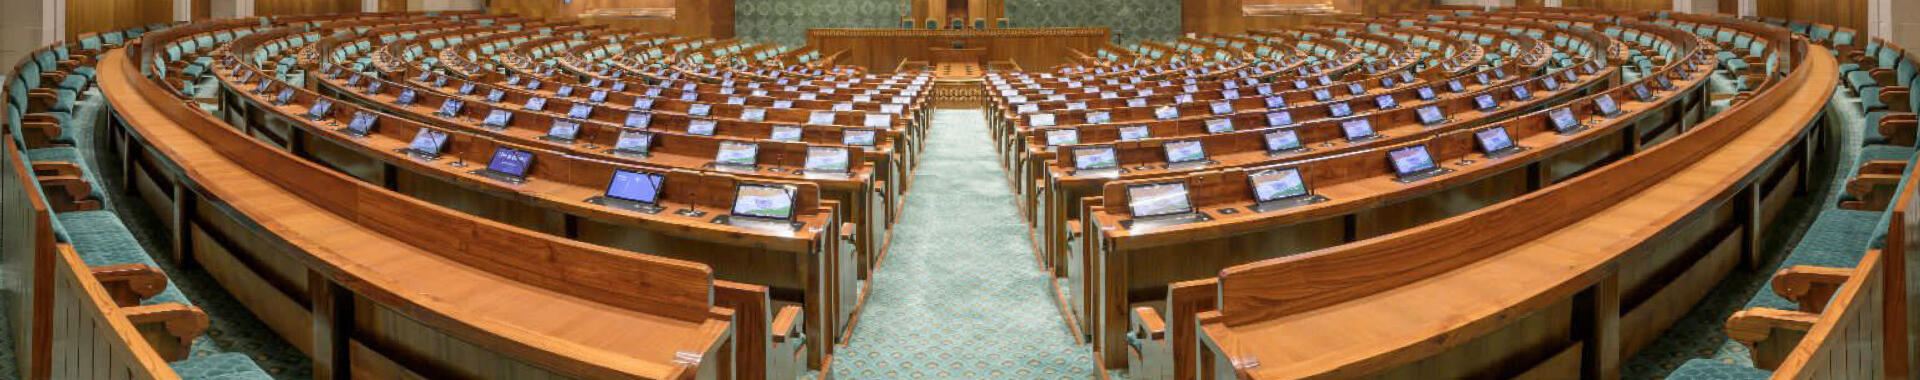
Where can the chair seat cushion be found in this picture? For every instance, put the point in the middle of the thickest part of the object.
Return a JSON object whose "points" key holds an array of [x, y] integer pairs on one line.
{"points": [[222, 366], [1837, 239], [1870, 100], [1708, 369], [1871, 130], [1859, 79]]}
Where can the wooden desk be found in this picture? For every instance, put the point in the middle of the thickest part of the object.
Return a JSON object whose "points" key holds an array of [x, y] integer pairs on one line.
{"points": [[975, 56]]}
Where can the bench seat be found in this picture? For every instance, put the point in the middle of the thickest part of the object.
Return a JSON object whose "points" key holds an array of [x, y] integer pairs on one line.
{"points": [[1707, 369]]}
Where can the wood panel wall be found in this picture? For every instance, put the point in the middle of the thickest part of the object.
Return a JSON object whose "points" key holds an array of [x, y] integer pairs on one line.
{"points": [[88, 16], [1845, 13], [300, 7], [712, 18], [1227, 17], [881, 50]]}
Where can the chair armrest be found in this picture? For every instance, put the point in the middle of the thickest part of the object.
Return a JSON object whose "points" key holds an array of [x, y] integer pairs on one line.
{"points": [[170, 327], [1755, 325], [1895, 97], [1147, 324], [128, 284], [1872, 192], [39, 133], [847, 232], [53, 77], [40, 100], [1810, 286], [1881, 75], [1894, 167], [69, 193], [1898, 128], [56, 168]]}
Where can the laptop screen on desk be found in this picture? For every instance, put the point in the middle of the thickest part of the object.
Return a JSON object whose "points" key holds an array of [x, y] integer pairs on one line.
{"points": [[1276, 184], [1218, 126], [1157, 199], [1606, 105], [580, 111], [827, 159], [1485, 102], [1059, 137], [1357, 129], [498, 118], [1562, 118], [1282, 140], [633, 141], [763, 201], [1410, 160], [362, 122], [857, 137], [635, 186], [787, 133], [1493, 139], [1430, 115], [1279, 119], [1185, 151], [563, 129], [1135, 132], [536, 103], [510, 161], [1339, 109], [638, 120], [701, 127], [428, 142], [1096, 157], [451, 107], [320, 108], [737, 153]]}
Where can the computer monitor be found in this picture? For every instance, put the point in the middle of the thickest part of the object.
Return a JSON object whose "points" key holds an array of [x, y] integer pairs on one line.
{"points": [[643, 103], [636, 186], [1430, 115], [1095, 117], [450, 107], [1521, 93], [789, 133], [428, 142], [699, 109], [511, 162], [737, 153], [633, 142], [1279, 119], [1499, 72], [1094, 157], [1218, 126], [1135, 132], [1549, 83], [320, 109], [1221, 107], [1385, 102], [362, 123], [1277, 184], [1455, 86], [1481, 78], [1485, 102], [374, 88], [1184, 151], [1410, 160], [858, 137], [424, 75], [763, 201], [563, 130], [1158, 199], [496, 95], [1569, 76], [284, 97], [467, 89], [1166, 113], [1493, 140], [1356, 88], [1357, 129], [1339, 109], [535, 84], [1300, 84], [1662, 81], [536, 103], [1605, 106], [513, 80], [701, 127], [1641, 93], [820, 118], [497, 118], [1276, 102], [1282, 140], [597, 96], [1058, 137], [1322, 94], [1562, 119], [826, 159]]}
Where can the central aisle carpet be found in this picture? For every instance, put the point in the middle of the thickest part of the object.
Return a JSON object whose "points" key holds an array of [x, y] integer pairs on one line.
{"points": [[959, 294]]}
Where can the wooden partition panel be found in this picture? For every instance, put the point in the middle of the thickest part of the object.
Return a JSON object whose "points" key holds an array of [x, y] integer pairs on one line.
{"points": [[881, 49], [94, 339], [1847, 342], [25, 244], [89, 16], [301, 7]]}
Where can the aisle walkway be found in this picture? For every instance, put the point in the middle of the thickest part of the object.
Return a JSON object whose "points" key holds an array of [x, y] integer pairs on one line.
{"points": [[959, 295]]}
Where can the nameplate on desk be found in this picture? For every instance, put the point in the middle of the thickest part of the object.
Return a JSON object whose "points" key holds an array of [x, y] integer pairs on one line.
{"points": [[1282, 204]]}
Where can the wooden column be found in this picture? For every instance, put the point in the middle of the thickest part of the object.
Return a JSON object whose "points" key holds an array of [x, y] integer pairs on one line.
{"points": [[332, 307]]}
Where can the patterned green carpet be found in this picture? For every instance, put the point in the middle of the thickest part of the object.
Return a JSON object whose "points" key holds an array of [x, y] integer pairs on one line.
{"points": [[959, 295]]}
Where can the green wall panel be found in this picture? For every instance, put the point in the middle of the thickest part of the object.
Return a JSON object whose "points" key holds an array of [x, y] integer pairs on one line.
{"points": [[787, 21]]}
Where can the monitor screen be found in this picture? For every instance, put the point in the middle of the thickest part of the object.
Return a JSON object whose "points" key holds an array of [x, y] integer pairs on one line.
{"points": [[497, 118], [1661, 80], [467, 89], [1300, 84], [1455, 86], [857, 137], [763, 201], [534, 85], [1279, 119], [1357, 129], [1135, 132], [1282, 140], [1095, 117], [285, 96], [1485, 102], [820, 118], [1570, 76], [428, 142], [1430, 115], [1095, 157], [1274, 102], [788, 133], [1410, 160], [362, 122], [1521, 93], [1221, 108], [510, 161], [635, 186], [450, 107], [1321, 94], [1185, 151], [643, 103], [1549, 83], [563, 91], [536, 103], [563, 129], [701, 127], [598, 96], [1606, 105], [513, 80], [406, 97], [753, 114], [633, 141], [827, 159], [1059, 137], [1493, 139], [1499, 72], [1166, 113], [320, 108], [1562, 118], [638, 120], [1640, 92], [1356, 88], [580, 111], [1385, 101], [1276, 184], [374, 88], [1481, 78], [737, 153], [1156, 199], [1217, 126], [1339, 109], [699, 109], [496, 95]]}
